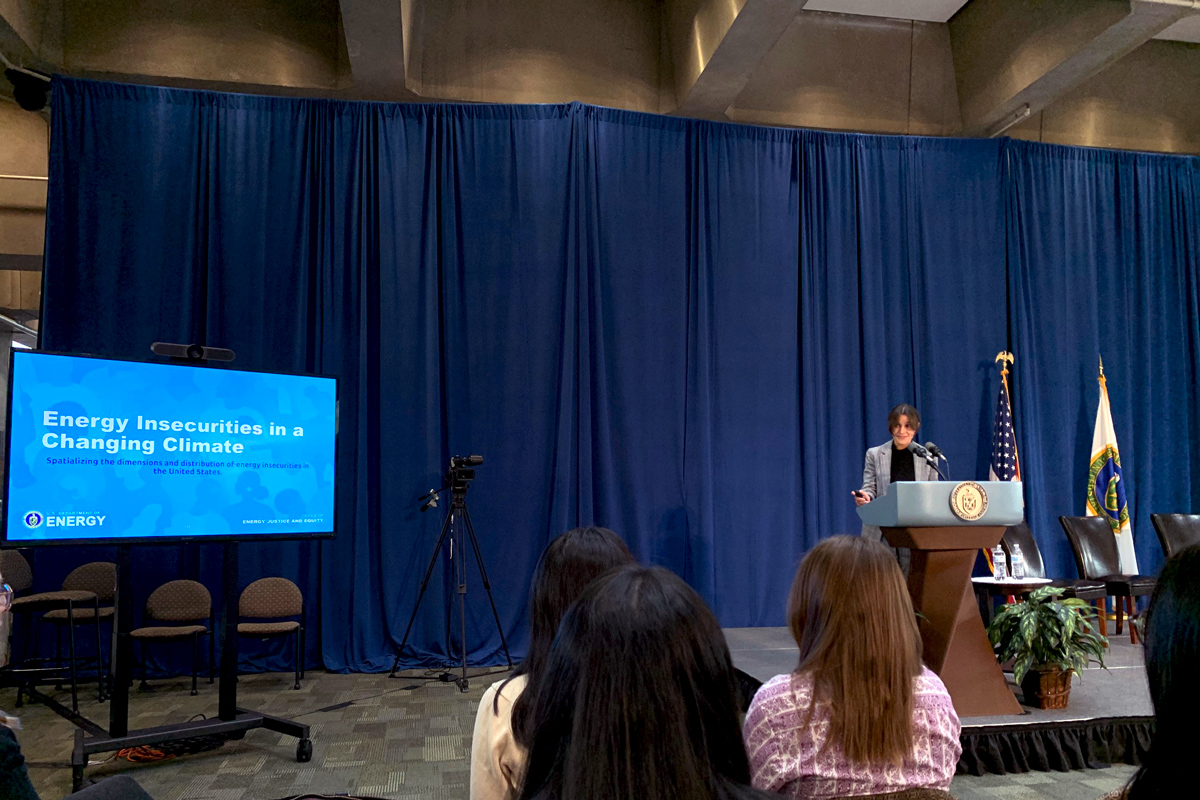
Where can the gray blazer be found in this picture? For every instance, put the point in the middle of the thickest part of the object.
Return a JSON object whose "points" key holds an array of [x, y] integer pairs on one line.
{"points": [[877, 476]]}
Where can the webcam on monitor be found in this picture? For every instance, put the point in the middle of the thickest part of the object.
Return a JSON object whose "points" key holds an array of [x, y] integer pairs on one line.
{"points": [[191, 352]]}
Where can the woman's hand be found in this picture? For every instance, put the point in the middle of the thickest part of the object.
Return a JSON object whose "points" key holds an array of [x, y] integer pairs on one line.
{"points": [[860, 498]]}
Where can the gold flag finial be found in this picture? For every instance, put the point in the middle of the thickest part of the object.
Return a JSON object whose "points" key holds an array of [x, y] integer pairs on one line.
{"points": [[1004, 358]]}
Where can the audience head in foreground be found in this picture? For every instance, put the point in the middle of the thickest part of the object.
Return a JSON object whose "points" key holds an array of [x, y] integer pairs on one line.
{"points": [[639, 698], [1172, 665], [502, 724], [860, 715]]}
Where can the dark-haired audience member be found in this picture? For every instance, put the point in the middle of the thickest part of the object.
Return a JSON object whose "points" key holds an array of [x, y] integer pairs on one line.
{"points": [[1172, 647], [502, 725], [638, 699], [860, 715]]}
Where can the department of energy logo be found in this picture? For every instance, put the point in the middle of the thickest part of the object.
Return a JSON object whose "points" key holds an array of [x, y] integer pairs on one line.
{"points": [[968, 501], [33, 519]]}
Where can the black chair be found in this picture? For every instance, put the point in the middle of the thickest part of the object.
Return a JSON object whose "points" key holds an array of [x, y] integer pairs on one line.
{"points": [[1176, 531], [1020, 536], [1096, 558]]}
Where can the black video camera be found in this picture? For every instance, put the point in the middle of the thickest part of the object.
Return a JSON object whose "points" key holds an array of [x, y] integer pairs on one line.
{"points": [[460, 473]]}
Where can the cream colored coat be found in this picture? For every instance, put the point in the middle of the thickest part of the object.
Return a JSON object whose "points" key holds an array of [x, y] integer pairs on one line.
{"points": [[497, 761]]}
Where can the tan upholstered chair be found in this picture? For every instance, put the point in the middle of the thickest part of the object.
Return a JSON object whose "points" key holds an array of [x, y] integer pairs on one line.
{"points": [[185, 604], [19, 576], [100, 578], [271, 601]]}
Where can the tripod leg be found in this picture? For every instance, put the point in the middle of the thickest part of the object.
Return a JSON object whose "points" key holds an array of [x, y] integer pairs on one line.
{"points": [[487, 586], [449, 643], [460, 576], [437, 548]]}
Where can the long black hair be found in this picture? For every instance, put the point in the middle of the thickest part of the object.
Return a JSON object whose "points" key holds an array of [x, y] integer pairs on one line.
{"points": [[568, 565], [638, 698], [1172, 664]]}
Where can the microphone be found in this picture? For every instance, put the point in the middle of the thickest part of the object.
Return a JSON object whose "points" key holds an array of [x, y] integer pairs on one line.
{"points": [[936, 453], [919, 450]]}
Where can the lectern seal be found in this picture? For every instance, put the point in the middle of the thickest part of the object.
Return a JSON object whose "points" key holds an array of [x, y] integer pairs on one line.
{"points": [[968, 501]]}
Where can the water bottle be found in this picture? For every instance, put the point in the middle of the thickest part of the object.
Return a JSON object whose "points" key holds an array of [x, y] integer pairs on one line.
{"points": [[1018, 563], [999, 564]]}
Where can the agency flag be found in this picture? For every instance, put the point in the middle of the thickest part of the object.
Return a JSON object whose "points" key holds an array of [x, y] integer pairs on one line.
{"points": [[1106, 489]]}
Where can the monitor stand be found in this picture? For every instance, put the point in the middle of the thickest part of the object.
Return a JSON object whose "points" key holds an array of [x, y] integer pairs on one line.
{"points": [[231, 721]]}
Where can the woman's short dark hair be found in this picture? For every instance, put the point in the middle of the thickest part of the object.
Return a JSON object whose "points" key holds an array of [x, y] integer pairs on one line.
{"points": [[567, 566], [904, 410], [1172, 664], [638, 698]]}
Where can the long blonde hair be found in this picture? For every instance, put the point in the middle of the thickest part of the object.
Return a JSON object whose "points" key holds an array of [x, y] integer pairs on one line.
{"points": [[850, 614]]}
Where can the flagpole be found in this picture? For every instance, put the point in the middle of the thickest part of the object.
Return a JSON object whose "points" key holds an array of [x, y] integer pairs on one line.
{"points": [[1005, 358]]}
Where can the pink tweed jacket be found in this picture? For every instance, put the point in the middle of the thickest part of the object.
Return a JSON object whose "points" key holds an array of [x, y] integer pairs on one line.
{"points": [[786, 755]]}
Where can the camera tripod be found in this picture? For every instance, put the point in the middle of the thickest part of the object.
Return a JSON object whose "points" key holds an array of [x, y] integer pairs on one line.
{"points": [[457, 527]]}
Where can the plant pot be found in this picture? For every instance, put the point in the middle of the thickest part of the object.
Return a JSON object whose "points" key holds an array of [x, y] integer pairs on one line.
{"points": [[1047, 687]]}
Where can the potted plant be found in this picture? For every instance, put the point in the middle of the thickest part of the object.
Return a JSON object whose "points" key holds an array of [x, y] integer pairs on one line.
{"points": [[1047, 638]]}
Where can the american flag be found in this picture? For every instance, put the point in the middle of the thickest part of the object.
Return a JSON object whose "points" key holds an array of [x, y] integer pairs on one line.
{"points": [[1004, 465]]}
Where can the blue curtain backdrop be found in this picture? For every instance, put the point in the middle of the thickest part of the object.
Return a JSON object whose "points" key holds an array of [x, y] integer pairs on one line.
{"points": [[1104, 256], [686, 331]]}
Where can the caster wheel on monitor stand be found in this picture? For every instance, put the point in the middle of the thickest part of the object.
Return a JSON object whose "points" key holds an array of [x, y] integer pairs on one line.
{"points": [[304, 751]]}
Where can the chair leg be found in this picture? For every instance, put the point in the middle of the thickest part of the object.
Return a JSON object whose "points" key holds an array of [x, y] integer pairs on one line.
{"points": [[99, 656], [296, 637], [1132, 608], [1102, 616], [1120, 606], [195, 660], [144, 685], [303, 642], [212, 652], [20, 684], [71, 645]]}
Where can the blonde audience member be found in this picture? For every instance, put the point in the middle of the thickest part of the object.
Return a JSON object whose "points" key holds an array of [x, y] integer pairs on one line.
{"points": [[860, 715]]}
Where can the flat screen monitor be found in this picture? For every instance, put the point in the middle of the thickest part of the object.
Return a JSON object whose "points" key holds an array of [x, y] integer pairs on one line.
{"points": [[111, 451]]}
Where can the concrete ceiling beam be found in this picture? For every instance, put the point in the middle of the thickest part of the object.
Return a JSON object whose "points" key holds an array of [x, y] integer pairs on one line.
{"points": [[1015, 57], [377, 49], [716, 47]]}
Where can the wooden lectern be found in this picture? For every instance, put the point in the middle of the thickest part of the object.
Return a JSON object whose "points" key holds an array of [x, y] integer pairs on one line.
{"points": [[918, 515]]}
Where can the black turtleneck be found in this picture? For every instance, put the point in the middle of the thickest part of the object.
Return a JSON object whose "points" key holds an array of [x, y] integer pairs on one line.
{"points": [[902, 464]]}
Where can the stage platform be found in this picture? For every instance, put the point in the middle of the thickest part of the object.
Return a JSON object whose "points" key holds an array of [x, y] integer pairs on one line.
{"points": [[1109, 719]]}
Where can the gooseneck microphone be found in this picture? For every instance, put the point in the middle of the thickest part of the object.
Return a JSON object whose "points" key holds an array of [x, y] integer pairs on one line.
{"points": [[936, 453]]}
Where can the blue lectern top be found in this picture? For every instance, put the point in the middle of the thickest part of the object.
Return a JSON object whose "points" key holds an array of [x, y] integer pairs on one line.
{"points": [[930, 504]]}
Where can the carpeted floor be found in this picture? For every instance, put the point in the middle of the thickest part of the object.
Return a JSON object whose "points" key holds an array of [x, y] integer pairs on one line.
{"points": [[406, 738]]}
